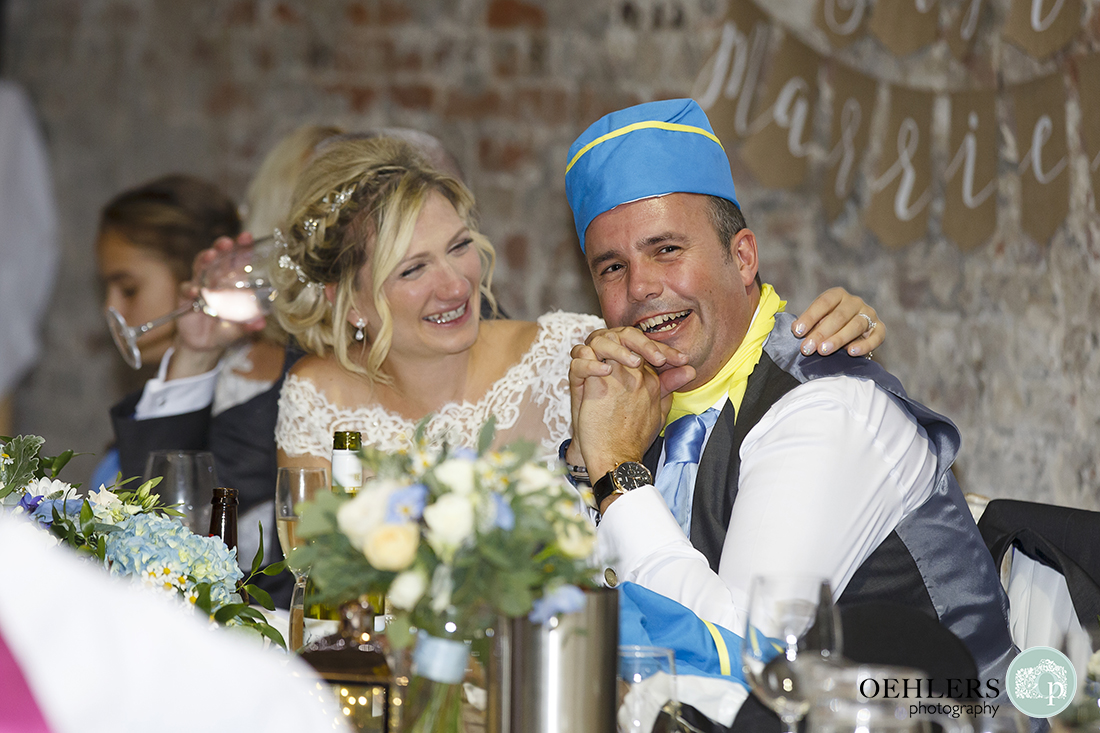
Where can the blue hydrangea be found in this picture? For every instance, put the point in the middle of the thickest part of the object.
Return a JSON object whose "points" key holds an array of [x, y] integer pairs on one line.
{"points": [[162, 553]]}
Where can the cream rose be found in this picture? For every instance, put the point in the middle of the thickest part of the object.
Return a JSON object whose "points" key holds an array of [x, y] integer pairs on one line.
{"points": [[392, 546], [407, 589], [360, 516], [576, 539], [531, 478], [457, 474], [450, 522]]}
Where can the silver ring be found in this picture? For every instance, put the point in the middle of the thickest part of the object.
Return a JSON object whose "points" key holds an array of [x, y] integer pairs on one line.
{"points": [[870, 324]]}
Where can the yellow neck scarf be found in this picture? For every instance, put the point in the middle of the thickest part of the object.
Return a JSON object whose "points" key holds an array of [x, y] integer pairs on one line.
{"points": [[733, 377]]}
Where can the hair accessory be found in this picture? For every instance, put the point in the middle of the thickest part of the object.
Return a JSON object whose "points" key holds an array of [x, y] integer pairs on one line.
{"points": [[309, 226], [287, 262], [359, 326], [339, 199], [643, 151]]}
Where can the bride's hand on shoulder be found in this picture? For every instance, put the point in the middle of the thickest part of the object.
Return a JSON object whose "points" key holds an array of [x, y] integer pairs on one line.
{"points": [[837, 319]]}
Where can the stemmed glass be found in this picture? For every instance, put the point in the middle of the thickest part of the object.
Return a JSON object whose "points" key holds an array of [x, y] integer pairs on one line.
{"points": [[293, 487], [234, 286], [791, 619], [188, 479]]}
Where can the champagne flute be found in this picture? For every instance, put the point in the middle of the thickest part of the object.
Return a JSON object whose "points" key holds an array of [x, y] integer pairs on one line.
{"points": [[791, 618], [293, 487], [234, 286]]}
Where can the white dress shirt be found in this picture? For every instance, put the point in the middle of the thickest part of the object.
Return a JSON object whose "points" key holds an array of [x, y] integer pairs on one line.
{"points": [[825, 476]]}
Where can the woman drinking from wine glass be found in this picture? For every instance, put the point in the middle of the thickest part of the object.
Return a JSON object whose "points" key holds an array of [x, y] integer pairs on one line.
{"points": [[381, 284]]}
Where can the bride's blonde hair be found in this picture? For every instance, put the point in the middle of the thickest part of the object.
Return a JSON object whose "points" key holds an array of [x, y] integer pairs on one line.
{"points": [[357, 203]]}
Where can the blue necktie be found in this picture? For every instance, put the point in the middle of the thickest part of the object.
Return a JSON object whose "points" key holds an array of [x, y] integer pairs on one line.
{"points": [[683, 446]]}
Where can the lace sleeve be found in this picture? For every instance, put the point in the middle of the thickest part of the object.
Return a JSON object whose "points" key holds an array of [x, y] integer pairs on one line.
{"points": [[303, 427], [552, 390]]}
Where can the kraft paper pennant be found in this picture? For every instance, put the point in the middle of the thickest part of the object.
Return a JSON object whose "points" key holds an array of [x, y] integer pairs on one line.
{"points": [[777, 150], [849, 135], [1088, 91], [970, 199], [1040, 110], [843, 21], [904, 26], [962, 29], [1041, 27], [729, 82], [901, 188]]}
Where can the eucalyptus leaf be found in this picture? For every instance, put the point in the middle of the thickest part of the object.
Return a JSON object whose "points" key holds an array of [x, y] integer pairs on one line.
{"points": [[274, 568], [260, 595]]}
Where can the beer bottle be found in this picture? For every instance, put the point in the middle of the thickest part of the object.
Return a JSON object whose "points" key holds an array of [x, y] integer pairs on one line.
{"points": [[223, 521]]}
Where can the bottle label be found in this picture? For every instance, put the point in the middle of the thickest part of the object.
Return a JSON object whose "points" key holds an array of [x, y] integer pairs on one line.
{"points": [[347, 471]]}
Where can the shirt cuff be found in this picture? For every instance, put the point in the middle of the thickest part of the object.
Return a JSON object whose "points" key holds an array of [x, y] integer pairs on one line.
{"points": [[636, 526], [164, 398]]}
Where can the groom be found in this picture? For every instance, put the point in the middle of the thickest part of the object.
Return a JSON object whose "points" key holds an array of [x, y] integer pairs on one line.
{"points": [[728, 455]]}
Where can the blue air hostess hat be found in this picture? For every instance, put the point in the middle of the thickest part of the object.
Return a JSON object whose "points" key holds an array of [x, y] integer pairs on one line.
{"points": [[647, 150]]}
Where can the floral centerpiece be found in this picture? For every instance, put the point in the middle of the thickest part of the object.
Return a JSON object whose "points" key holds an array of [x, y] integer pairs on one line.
{"points": [[453, 538], [133, 535]]}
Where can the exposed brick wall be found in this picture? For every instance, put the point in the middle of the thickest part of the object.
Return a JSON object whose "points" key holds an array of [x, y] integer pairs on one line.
{"points": [[1003, 339]]}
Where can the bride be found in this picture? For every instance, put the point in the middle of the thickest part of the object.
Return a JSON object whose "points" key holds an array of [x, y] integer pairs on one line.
{"points": [[382, 282]]}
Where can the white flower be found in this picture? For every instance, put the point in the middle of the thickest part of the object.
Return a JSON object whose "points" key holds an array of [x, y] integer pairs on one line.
{"points": [[576, 539], [1094, 666], [407, 588], [360, 516], [105, 504], [51, 489], [450, 522], [392, 546], [457, 474], [531, 478]]}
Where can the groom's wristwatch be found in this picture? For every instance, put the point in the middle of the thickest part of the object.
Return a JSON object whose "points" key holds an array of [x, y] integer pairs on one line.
{"points": [[625, 477]]}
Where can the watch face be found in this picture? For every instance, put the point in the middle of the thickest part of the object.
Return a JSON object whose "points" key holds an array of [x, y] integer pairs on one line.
{"points": [[630, 475]]}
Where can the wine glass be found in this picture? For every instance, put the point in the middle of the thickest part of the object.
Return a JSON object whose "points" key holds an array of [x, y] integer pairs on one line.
{"points": [[293, 487], [234, 286], [791, 618], [647, 688], [188, 479]]}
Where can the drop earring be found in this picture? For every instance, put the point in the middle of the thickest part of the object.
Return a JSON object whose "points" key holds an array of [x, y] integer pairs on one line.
{"points": [[359, 325]]}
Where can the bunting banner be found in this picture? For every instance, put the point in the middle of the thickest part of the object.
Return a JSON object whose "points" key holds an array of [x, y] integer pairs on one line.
{"points": [[727, 86], [901, 189], [1041, 27], [849, 135], [763, 85], [842, 21], [777, 150], [970, 198], [905, 26], [1040, 111], [1088, 85], [962, 30]]}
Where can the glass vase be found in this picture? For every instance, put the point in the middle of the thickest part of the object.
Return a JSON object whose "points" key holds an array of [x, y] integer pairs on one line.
{"points": [[434, 701]]}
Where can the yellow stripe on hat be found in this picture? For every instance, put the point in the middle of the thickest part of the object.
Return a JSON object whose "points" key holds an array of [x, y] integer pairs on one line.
{"points": [[648, 124], [723, 652]]}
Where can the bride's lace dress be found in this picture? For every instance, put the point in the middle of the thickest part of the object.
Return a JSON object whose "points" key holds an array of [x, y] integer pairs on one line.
{"points": [[530, 401]]}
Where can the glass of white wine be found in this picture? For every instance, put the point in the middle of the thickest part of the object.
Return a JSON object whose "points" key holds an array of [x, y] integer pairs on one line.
{"points": [[234, 286], [293, 487]]}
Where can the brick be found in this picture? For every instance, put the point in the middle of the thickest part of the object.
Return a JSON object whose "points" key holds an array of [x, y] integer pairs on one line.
{"points": [[404, 57], [502, 156], [358, 14], [285, 13], [463, 104], [549, 106], [413, 96], [225, 97], [242, 12], [595, 103], [505, 57], [392, 12], [359, 98], [515, 14]]}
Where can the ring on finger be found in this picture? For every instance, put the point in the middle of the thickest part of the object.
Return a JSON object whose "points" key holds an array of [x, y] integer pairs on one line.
{"points": [[871, 324]]}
